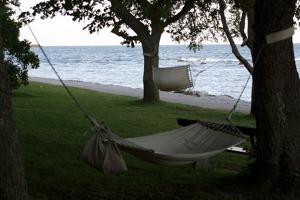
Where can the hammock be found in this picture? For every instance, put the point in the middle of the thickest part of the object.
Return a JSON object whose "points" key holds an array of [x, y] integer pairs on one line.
{"points": [[172, 78], [176, 147]]}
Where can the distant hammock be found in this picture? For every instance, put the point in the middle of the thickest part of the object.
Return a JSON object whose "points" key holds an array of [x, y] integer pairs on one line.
{"points": [[172, 78]]}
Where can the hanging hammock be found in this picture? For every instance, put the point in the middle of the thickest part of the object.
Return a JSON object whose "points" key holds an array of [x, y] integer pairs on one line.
{"points": [[176, 147], [172, 78]]}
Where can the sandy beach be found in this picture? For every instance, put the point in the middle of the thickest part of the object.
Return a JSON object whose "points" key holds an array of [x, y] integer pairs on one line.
{"points": [[208, 101]]}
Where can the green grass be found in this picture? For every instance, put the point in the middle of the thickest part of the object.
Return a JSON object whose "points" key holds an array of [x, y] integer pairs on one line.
{"points": [[53, 131]]}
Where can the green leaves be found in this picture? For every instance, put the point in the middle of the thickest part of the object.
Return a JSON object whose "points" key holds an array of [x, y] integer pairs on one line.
{"points": [[130, 19], [18, 56]]}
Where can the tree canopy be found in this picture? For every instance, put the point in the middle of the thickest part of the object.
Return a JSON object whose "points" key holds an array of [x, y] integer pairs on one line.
{"points": [[131, 20], [18, 56]]}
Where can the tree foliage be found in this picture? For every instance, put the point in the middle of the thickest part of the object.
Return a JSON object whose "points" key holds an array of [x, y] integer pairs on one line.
{"points": [[18, 56], [200, 24], [128, 19]]}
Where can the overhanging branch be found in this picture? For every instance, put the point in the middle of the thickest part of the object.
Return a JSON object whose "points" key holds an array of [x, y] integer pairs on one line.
{"points": [[235, 50], [116, 30], [242, 26], [128, 18], [186, 8]]}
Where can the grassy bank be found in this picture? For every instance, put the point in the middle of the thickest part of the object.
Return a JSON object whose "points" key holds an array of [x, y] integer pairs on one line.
{"points": [[53, 131]]}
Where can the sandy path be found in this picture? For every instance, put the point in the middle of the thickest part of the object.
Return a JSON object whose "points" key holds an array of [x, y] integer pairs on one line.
{"points": [[212, 102]]}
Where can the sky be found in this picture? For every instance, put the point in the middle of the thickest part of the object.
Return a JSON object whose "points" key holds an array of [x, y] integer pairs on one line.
{"points": [[62, 31]]}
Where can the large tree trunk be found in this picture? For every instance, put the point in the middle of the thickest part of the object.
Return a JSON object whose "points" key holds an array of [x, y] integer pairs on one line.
{"points": [[277, 99], [151, 50], [12, 178], [251, 38]]}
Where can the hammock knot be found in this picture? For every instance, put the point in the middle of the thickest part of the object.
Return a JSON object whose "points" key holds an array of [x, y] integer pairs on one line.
{"points": [[100, 128]]}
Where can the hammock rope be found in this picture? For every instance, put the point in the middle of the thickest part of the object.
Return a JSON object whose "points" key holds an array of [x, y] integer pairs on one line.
{"points": [[236, 103], [101, 127], [212, 65]]}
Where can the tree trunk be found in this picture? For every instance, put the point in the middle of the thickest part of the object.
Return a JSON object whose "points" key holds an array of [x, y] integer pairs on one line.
{"points": [[251, 38], [12, 178], [277, 100], [151, 59]]}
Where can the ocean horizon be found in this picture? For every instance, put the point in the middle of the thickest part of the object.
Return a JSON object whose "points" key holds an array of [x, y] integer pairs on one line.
{"points": [[214, 69]]}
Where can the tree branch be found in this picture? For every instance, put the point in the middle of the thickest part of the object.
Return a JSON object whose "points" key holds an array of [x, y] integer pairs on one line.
{"points": [[186, 8], [120, 9], [116, 30], [145, 5], [235, 50], [242, 26]]}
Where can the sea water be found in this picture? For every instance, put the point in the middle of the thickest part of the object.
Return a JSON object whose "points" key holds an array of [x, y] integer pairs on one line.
{"points": [[214, 69]]}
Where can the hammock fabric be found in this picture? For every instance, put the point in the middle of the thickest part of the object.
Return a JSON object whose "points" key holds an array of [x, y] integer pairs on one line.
{"points": [[107, 160], [176, 147], [172, 78]]}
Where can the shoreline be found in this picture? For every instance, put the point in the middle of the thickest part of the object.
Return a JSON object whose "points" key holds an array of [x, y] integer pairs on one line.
{"points": [[212, 102]]}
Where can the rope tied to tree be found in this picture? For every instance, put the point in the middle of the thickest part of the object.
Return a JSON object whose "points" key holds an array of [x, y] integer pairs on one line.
{"points": [[254, 64], [154, 54]]}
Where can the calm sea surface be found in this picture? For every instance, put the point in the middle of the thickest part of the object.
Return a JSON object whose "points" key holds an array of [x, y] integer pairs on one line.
{"points": [[119, 65]]}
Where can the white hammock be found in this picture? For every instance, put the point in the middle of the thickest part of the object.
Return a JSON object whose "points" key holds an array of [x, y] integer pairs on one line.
{"points": [[177, 147], [172, 78]]}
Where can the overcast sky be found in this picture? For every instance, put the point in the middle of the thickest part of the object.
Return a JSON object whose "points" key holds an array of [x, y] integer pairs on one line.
{"points": [[62, 31]]}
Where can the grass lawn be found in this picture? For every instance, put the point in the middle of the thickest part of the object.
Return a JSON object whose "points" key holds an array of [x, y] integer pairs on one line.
{"points": [[53, 131]]}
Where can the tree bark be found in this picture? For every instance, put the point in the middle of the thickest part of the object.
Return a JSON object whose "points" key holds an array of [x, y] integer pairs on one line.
{"points": [[12, 178], [151, 50], [251, 37], [277, 100]]}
